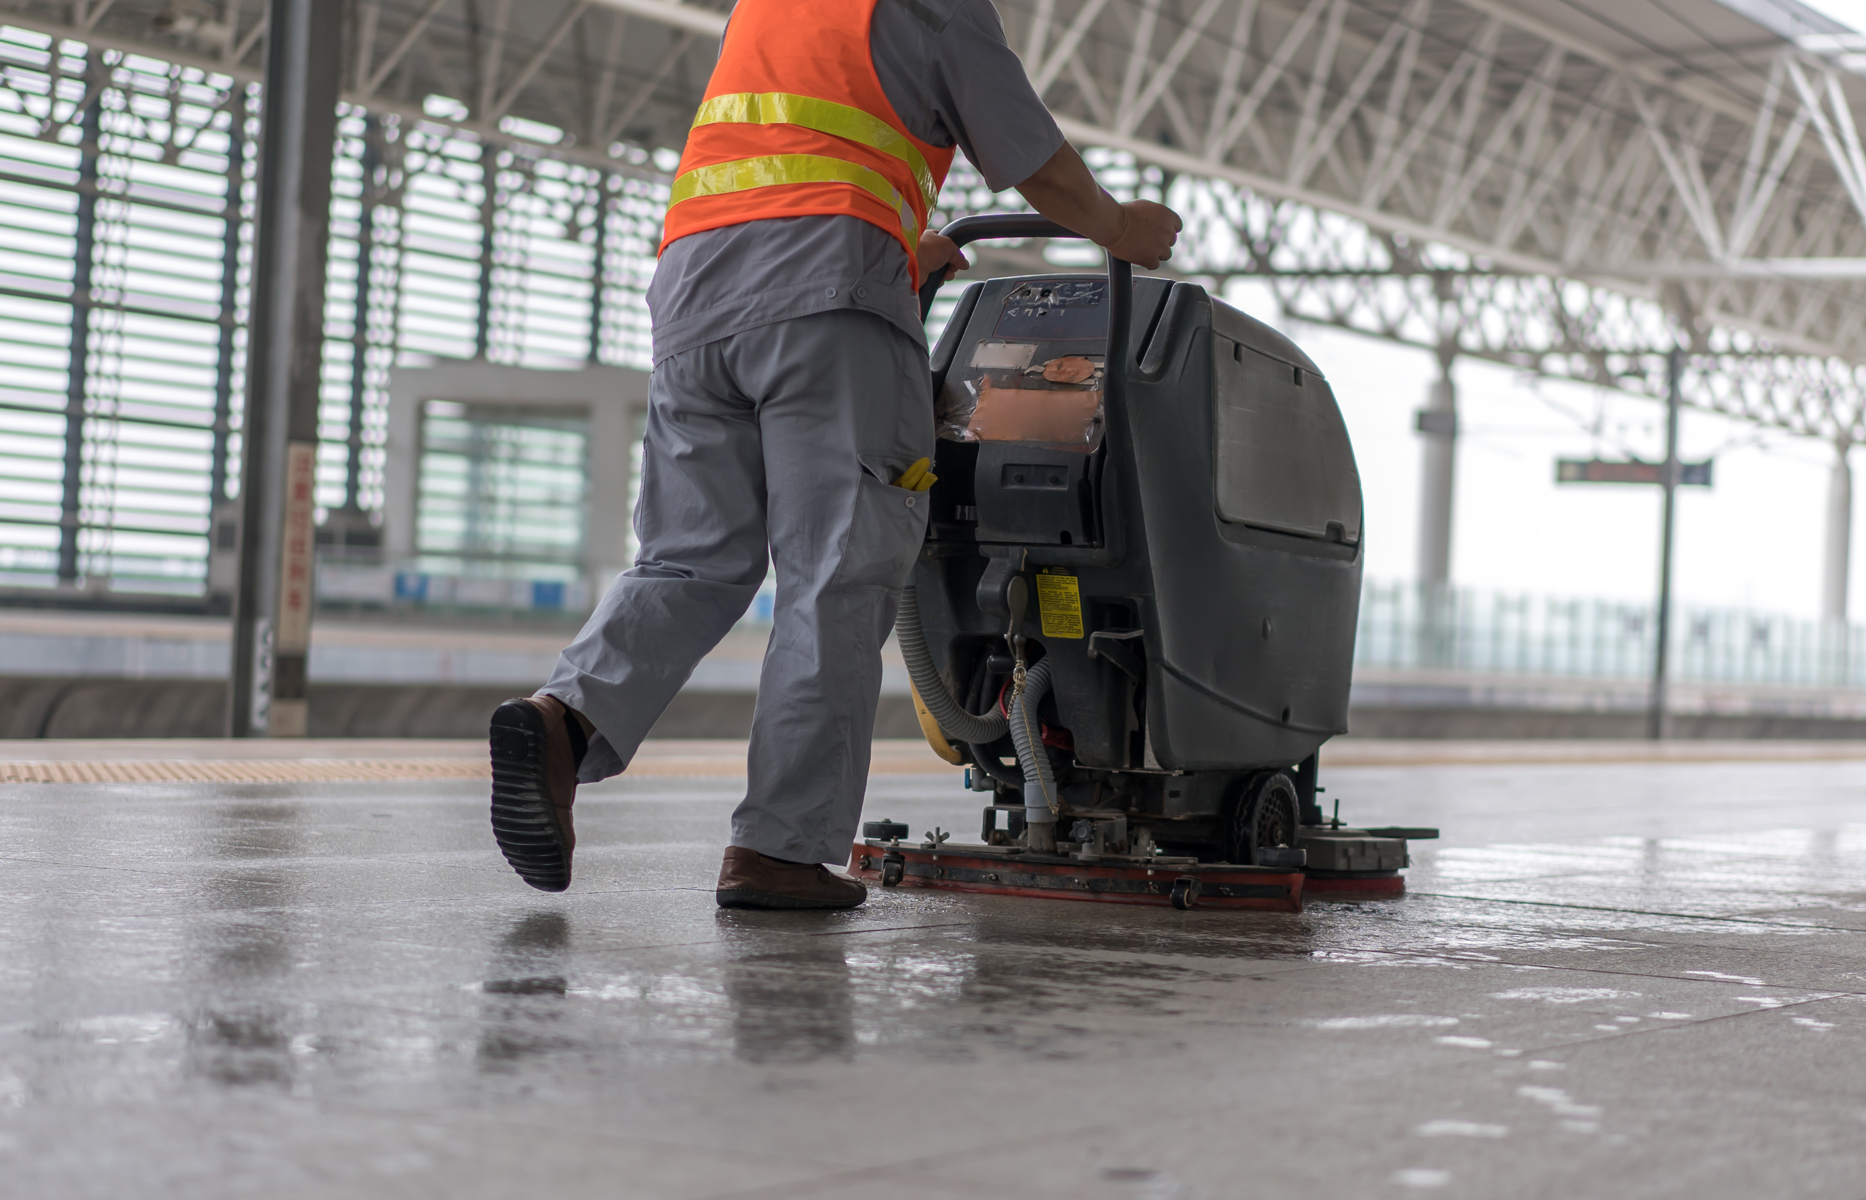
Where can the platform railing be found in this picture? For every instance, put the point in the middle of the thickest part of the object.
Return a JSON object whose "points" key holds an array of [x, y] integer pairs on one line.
{"points": [[1411, 627], [1404, 627]]}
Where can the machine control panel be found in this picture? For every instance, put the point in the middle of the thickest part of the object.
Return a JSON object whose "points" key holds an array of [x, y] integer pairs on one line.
{"points": [[1020, 413], [1056, 310]]}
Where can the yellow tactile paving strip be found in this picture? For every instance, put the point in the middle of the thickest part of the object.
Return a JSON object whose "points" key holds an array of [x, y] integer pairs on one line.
{"points": [[276, 771], [380, 761], [681, 760]]}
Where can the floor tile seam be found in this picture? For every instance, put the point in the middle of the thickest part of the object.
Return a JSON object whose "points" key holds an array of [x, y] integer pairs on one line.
{"points": [[1675, 1026], [322, 1002], [1744, 845], [888, 929], [1640, 912], [493, 866], [1619, 942], [1502, 962], [129, 870], [343, 905], [1707, 876], [1619, 938], [1636, 912], [220, 872], [1603, 875], [1682, 879], [1773, 886], [1523, 1053], [367, 1112], [1208, 974], [1487, 1063], [1294, 962], [805, 1187], [764, 1155], [1525, 878], [753, 1157], [693, 945], [457, 861]]}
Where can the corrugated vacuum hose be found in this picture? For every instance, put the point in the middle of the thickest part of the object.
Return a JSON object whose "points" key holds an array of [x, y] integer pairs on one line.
{"points": [[954, 721], [1041, 801]]}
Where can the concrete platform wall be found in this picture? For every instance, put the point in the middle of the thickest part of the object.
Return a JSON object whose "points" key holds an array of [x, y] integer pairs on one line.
{"points": [[101, 675], [1537, 724], [52, 707]]}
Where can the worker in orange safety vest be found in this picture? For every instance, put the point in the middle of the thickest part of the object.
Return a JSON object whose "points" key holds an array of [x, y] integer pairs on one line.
{"points": [[790, 392]]}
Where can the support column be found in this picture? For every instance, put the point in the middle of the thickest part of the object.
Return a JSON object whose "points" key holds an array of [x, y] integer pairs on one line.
{"points": [[598, 275], [78, 361], [1836, 566], [347, 533], [1837, 561], [359, 338], [278, 471], [1437, 423], [229, 290], [1659, 714], [488, 220]]}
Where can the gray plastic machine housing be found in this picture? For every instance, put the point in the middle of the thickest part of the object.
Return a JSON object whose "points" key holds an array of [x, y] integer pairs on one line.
{"points": [[1212, 534]]}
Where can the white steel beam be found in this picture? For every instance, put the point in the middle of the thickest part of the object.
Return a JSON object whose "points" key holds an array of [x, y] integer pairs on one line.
{"points": [[1477, 133], [689, 17]]}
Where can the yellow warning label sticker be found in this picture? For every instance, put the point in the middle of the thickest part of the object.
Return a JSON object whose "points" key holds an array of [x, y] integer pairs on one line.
{"points": [[1059, 603]]}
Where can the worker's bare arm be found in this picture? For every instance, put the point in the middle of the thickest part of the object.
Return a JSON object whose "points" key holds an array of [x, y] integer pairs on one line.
{"points": [[1064, 190]]}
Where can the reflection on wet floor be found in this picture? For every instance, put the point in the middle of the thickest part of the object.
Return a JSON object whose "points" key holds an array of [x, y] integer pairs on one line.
{"points": [[521, 1015], [790, 1003], [282, 991]]}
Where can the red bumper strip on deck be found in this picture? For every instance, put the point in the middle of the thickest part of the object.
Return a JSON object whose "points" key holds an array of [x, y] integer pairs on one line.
{"points": [[1383, 887], [1220, 886]]}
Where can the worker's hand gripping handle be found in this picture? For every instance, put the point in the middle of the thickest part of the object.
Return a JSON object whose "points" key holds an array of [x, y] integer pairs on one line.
{"points": [[1027, 225]]}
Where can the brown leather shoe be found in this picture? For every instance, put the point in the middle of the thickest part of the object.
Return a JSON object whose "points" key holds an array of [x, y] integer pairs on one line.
{"points": [[534, 783], [747, 879]]}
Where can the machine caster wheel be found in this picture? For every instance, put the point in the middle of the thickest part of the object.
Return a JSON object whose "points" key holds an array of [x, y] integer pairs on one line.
{"points": [[1260, 821], [893, 868], [1185, 892]]}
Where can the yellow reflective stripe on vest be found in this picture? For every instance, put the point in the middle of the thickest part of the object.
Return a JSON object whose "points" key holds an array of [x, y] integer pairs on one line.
{"points": [[744, 174], [824, 116]]}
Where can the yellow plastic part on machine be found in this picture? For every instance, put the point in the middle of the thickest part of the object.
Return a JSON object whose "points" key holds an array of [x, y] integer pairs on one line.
{"points": [[930, 728]]}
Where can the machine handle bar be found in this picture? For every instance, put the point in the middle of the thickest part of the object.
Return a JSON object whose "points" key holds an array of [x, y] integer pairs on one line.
{"points": [[1024, 225]]}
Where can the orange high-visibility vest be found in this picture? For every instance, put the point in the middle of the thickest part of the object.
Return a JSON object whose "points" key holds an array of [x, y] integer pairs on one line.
{"points": [[795, 124]]}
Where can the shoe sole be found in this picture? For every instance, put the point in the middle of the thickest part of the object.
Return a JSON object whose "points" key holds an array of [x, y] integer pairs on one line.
{"points": [[748, 898], [524, 821]]}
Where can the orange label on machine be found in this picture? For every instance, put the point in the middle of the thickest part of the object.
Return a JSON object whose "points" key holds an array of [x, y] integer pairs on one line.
{"points": [[1059, 603]]}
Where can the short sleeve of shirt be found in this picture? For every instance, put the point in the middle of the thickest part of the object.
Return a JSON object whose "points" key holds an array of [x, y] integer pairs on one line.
{"points": [[953, 79]]}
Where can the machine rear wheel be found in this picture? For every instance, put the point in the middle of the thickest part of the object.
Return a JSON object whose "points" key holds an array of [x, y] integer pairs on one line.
{"points": [[1262, 815]]}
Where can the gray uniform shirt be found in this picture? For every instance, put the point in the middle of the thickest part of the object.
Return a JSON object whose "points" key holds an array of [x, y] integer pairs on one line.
{"points": [[945, 67]]}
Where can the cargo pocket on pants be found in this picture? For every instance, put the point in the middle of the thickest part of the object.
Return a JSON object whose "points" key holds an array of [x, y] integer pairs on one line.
{"points": [[885, 534]]}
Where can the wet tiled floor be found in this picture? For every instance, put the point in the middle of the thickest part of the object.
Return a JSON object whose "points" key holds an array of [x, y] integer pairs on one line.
{"points": [[1608, 980]]}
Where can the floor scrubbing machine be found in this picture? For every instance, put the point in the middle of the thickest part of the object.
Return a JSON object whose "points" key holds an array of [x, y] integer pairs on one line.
{"points": [[1133, 618]]}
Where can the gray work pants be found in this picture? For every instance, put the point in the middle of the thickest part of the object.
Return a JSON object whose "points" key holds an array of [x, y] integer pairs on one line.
{"points": [[782, 437]]}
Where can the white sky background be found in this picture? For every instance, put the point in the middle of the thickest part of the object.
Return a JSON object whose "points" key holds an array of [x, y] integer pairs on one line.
{"points": [[1849, 12], [1752, 541]]}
